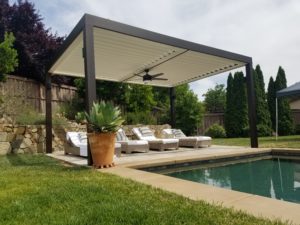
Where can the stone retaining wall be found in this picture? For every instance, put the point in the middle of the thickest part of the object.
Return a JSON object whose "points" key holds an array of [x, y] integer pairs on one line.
{"points": [[19, 139]]}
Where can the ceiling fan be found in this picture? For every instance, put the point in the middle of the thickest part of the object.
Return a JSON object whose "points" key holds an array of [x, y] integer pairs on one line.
{"points": [[147, 77]]}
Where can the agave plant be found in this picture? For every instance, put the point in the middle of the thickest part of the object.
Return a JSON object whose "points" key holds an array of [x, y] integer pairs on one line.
{"points": [[104, 118]]}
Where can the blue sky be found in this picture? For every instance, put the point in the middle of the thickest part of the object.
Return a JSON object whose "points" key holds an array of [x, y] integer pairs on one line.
{"points": [[267, 30]]}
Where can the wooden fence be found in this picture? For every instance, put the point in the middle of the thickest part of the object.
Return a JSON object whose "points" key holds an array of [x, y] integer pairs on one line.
{"points": [[210, 119], [33, 92]]}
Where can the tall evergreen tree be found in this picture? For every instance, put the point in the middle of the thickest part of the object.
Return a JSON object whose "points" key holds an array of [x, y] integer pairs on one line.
{"points": [[272, 101], [262, 112], [240, 104], [229, 109], [285, 122]]}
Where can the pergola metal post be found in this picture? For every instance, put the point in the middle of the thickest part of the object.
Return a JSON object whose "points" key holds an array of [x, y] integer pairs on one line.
{"points": [[172, 107], [89, 69], [251, 105], [48, 114]]}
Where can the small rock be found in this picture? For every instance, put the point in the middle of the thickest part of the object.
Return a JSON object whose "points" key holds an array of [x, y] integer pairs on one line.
{"points": [[41, 148], [10, 137], [19, 130], [8, 129], [27, 135], [5, 148], [18, 151], [26, 143], [34, 130], [41, 139], [3, 136], [19, 137]]}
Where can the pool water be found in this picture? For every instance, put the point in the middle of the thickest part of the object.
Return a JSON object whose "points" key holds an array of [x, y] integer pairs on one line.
{"points": [[274, 177]]}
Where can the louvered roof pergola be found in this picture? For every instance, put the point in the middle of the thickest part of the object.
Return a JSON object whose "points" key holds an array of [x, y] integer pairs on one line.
{"points": [[102, 49]]}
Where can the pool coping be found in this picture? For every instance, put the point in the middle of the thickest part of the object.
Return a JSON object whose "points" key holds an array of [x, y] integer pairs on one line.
{"points": [[249, 203]]}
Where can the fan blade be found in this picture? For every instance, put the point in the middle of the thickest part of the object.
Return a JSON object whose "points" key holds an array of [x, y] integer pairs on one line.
{"points": [[157, 75], [137, 75], [159, 79]]}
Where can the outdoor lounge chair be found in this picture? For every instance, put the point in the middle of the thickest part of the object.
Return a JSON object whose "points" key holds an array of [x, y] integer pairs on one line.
{"points": [[144, 133], [129, 146], [76, 144], [184, 141]]}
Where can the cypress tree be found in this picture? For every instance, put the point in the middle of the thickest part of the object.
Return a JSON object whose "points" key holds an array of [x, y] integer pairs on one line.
{"points": [[240, 111], [229, 110], [272, 102], [262, 112], [285, 122]]}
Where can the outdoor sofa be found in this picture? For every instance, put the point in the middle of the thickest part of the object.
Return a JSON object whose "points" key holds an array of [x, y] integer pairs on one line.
{"points": [[144, 133], [129, 146], [76, 144], [184, 141]]}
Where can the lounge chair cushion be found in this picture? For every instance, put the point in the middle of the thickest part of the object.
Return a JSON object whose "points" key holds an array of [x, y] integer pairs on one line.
{"points": [[178, 133], [121, 136], [146, 132], [77, 139], [146, 135]]}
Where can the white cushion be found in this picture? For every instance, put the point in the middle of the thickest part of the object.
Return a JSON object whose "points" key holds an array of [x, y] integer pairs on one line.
{"points": [[203, 138], [169, 141], [121, 136], [73, 137]]}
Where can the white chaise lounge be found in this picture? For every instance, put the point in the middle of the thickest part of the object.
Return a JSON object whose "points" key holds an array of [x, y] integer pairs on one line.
{"points": [[129, 146], [144, 133], [76, 144], [184, 141]]}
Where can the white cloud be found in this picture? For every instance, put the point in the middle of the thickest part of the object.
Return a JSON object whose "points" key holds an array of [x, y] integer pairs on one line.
{"points": [[267, 30]]}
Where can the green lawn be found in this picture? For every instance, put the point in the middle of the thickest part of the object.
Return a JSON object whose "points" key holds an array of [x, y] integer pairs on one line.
{"points": [[40, 190], [264, 142]]}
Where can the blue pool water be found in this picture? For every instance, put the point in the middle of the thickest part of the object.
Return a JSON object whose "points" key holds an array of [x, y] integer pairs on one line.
{"points": [[275, 178]]}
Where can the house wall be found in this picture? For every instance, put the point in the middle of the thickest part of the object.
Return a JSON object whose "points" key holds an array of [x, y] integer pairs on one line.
{"points": [[295, 104]]}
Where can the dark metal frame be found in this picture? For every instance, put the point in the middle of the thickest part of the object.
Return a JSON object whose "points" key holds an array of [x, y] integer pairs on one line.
{"points": [[89, 22]]}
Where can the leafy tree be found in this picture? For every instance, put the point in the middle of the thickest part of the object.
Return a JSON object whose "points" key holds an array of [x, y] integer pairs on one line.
{"points": [[272, 101], [229, 109], [215, 99], [8, 56], [104, 90], [285, 122], [34, 43], [4, 11], [262, 112], [162, 99], [188, 109], [139, 98]]}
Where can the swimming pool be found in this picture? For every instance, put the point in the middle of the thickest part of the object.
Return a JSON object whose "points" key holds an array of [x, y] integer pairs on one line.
{"points": [[269, 176]]}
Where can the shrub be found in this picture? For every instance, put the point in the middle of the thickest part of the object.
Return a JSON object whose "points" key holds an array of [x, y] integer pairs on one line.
{"points": [[216, 131], [30, 117], [80, 117], [70, 109], [140, 118], [263, 130]]}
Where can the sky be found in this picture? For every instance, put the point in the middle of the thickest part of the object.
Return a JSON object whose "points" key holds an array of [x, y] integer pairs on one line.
{"points": [[266, 30]]}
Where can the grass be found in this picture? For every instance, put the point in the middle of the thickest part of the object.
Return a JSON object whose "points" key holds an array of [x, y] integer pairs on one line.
{"points": [[40, 190], [264, 142]]}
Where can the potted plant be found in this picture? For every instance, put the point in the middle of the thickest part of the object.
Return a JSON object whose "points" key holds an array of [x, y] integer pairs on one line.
{"points": [[104, 120]]}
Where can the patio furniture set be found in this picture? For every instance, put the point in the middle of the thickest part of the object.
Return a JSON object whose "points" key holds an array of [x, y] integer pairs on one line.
{"points": [[76, 143]]}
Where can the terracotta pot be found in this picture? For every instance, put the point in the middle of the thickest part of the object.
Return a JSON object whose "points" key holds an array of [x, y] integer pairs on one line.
{"points": [[102, 149]]}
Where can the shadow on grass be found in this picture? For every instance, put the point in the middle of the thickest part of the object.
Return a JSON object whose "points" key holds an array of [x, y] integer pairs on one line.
{"points": [[42, 161]]}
